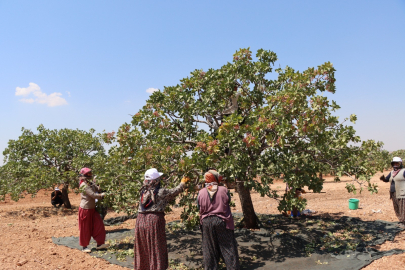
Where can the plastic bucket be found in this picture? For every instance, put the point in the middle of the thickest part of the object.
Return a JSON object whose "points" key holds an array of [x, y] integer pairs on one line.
{"points": [[353, 204]]}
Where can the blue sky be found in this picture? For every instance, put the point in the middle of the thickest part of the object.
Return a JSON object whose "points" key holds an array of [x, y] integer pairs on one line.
{"points": [[91, 62]]}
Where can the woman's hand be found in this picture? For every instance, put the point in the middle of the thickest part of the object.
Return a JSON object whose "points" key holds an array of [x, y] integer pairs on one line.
{"points": [[382, 178]]}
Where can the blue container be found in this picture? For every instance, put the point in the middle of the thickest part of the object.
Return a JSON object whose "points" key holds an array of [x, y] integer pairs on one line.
{"points": [[298, 214]]}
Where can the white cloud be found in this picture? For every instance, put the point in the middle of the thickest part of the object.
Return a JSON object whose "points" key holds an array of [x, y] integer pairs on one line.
{"points": [[68, 93], [52, 100], [151, 90], [27, 100], [26, 91]]}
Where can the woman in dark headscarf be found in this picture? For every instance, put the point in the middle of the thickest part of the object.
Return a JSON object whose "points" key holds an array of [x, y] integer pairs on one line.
{"points": [[150, 236], [396, 178], [217, 224]]}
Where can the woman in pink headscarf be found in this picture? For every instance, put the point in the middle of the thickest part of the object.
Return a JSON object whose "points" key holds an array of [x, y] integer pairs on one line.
{"points": [[90, 222]]}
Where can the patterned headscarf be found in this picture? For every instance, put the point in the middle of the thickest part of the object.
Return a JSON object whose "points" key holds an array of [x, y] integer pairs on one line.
{"points": [[212, 179], [149, 191], [212, 176]]}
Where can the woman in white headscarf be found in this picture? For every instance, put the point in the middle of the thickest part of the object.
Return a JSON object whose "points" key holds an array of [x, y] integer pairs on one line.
{"points": [[150, 246], [396, 178]]}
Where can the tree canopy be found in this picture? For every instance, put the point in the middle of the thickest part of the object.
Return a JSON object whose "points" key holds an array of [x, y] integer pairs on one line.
{"points": [[50, 157], [251, 128]]}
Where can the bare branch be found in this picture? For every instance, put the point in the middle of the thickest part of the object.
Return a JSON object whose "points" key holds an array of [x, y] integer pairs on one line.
{"points": [[204, 122]]}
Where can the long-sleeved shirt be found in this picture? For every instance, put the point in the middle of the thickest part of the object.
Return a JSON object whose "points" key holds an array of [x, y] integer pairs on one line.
{"points": [[387, 179], [89, 195], [162, 198]]}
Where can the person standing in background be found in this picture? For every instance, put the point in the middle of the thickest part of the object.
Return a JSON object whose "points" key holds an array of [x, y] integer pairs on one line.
{"points": [[396, 178]]}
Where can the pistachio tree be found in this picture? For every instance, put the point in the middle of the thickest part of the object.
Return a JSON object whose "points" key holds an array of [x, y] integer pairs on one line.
{"points": [[253, 129], [121, 172], [47, 158]]}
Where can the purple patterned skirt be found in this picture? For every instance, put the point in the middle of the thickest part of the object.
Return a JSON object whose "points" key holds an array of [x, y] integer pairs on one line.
{"points": [[150, 248]]}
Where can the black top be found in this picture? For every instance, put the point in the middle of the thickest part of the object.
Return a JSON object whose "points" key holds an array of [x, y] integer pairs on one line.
{"points": [[58, 196], [387, 179]]}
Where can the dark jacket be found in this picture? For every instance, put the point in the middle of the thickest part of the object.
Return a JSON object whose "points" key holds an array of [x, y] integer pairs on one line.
{"points": [[58, 196]]}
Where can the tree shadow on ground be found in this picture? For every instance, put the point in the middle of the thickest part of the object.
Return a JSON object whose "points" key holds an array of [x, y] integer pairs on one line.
{"points": [[108, 230], [281, 243], [286, 243], [42, 212], [331, 215]]}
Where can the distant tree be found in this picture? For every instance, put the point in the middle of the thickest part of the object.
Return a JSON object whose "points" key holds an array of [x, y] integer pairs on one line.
{"points": [[360, 163], [50, 157], [249, 127], [3, 184]]}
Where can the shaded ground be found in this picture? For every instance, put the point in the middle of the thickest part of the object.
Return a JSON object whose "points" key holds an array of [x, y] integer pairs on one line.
{"points": [[281, 243], [27, 226]]}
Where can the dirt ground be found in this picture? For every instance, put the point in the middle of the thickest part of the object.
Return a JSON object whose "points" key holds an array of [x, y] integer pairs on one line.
{"points": [[27, 226]]}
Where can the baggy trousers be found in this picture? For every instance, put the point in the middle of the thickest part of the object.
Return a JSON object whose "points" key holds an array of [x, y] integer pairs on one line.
{"points": [[90, 225], [399, 207], [217, 240]]}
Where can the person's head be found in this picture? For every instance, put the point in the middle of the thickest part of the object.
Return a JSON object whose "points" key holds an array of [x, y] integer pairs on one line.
{"points": [[212, 176], [152, 175], [57, 189], [396, 163], [87, 173]]}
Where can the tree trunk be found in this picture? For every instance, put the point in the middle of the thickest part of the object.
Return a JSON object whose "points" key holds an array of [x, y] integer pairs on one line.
{"points": [[65, 196], [249, 216]]}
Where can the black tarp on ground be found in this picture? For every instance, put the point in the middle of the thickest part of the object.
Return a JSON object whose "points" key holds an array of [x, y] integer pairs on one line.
{"points": [[281, 243], [73, 242], [118, 220]]}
